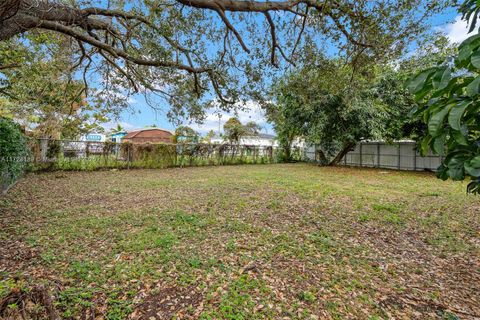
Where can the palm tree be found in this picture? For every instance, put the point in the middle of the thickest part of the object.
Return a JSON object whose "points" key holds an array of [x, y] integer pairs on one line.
{"points": [[118, 129]]}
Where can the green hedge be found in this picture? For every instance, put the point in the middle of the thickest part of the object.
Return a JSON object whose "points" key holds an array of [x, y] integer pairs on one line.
{"points": [[14, 153]]}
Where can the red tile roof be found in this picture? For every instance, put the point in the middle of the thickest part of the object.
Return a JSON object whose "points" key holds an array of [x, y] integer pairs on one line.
{"points": [[149, 135]]}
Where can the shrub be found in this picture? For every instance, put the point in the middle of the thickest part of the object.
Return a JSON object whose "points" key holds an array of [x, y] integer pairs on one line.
{"points": [[154, 155], [54, 149], [14, 152]]}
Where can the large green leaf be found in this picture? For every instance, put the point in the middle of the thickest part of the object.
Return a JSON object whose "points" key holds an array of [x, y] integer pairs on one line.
{"points": [[473, 87], [449, 89], [459, 138], [436, 120], [442, 172], [465, 50], [441, 78], [417, 83], [424, 145], [474, 172], [446, 77], [469, 41], [456, 167], [475, 60], [464, 54], [455, 115], [439, 144], [475, 162]]}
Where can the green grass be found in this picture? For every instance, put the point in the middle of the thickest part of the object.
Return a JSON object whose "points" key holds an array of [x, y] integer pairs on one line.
{"points": [[243, 242]]}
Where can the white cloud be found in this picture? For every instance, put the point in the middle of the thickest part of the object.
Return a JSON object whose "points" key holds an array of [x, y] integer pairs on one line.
{"points": [[251, 111], [456, 31]]}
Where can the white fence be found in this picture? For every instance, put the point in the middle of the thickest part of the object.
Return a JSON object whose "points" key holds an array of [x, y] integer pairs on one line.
{"points": [[399, 155]]}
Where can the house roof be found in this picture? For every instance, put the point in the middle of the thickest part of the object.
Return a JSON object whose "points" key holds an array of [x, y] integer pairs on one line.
{"points": [[261, 136], [134, 133], [257, 136]]}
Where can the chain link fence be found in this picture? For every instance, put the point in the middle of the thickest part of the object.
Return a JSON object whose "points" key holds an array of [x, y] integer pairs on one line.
{"points": [[87, 155]]}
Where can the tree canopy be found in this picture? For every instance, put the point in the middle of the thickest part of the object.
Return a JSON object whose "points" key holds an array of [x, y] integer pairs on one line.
{"points": [[234, 129], [42, 93], [191, 52], [185, 134], [325, 106]]}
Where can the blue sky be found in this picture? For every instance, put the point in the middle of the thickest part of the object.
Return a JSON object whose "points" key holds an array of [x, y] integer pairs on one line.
{"points": [[141, 115]]}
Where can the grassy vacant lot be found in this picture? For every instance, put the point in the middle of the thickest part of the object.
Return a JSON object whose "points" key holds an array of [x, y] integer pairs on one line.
{"points": [[291, 241]]}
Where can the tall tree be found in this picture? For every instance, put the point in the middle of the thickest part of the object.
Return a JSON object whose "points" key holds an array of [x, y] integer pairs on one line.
{"points": [[183, 49], [252, 128], [325, 106], [185, 134], [41, 92], [209, 136], [233, 130], [117, 129]]}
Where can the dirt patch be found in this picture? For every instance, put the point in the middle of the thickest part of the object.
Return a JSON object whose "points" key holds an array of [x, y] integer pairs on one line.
{"points": [[183, 303], [36, 303]]}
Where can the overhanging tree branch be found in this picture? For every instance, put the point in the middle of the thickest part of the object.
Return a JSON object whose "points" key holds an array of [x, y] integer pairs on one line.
{"points": [[145, 40]]}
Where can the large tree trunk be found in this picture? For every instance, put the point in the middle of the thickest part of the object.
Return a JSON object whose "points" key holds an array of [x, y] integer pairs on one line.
{"points": [[346, 149]]}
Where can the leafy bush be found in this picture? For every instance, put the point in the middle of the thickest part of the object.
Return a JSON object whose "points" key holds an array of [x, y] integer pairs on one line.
{"points": [[448, 96], [14, 152], [154, 155], [151, 155]]}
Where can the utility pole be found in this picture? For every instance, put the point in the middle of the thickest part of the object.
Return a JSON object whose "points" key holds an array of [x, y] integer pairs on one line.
{"points": [[219, 122]]}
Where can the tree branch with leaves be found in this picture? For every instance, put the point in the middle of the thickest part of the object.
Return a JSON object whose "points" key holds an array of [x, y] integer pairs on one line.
{"points": [[184, 50]]}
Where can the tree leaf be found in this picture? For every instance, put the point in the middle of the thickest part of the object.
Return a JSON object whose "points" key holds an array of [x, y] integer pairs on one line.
{"points": [[439, 144], [424, 145], [475, 162], [472, 171], [473, 87], [436, 120], [455, 115], [456, 167], [417, 83], [460, 138], [465, 50], [437, 77], [442, 172], [446, 76], [475, 59], [464, 54]]}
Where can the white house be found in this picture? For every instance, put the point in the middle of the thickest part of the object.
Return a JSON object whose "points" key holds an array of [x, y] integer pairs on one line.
{"points": [[259, 140]]}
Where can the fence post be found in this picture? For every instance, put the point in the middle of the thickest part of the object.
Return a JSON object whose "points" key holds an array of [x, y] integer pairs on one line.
{"points": [[414, 158], [399, 156], [128, 156], [361, 151], [378, 154], [43, 149]]}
